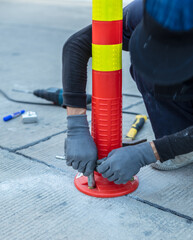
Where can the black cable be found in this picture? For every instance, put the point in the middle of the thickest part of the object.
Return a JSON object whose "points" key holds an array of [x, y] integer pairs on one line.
{"points": [[131, 95], [131, 113], [25, 102]]}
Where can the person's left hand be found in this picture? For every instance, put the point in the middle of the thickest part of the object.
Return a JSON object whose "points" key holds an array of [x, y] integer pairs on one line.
{"points": [[123, 163]]}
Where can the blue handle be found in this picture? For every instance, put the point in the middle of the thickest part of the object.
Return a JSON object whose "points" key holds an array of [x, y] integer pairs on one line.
{"points": [[7, 118], [60, 98]]}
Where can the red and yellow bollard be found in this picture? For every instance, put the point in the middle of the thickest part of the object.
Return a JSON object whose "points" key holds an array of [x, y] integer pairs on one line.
{"points": [[107, 27]]}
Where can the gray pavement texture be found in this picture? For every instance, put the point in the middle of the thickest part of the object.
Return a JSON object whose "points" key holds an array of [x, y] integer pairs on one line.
{"points": [[37, 195]]}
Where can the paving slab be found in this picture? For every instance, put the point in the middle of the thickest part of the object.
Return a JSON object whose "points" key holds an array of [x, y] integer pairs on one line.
{"points": [[32, 37], [46, 153], [16, 134], [38, 202], [172, 190]]}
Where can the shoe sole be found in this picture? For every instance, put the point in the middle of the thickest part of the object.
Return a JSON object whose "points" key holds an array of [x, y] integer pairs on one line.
{"points": [[167, 168]]}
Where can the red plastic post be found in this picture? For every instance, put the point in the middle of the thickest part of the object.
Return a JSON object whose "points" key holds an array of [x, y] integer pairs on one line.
{"points": [[106, 103]]}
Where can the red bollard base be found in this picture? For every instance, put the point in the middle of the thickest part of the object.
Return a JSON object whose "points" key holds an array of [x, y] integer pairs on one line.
{"points": [[104, 188]]}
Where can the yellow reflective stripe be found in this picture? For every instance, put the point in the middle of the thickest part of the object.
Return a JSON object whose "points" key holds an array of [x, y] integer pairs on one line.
{"points": [[106, 57], [107, 10]]}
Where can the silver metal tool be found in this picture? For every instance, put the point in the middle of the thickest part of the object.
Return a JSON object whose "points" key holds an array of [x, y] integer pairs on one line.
{"points": [[91, 181], [21, 90], [60, 157], [79, 175]]}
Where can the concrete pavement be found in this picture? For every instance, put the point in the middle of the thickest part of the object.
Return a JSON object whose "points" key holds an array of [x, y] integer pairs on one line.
{"points": [[37, 196]]}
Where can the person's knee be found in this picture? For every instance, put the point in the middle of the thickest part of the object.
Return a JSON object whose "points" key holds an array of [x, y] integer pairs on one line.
{"points": [[142, 84], [132, 15]]}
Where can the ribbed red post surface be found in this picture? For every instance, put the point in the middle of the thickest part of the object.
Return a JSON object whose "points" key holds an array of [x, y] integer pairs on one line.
{"points": [[107, 93]]}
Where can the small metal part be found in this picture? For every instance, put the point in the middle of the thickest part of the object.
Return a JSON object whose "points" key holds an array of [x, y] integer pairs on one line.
{"points": [[29, 117], [79, 175], [21, 90], [60, 157], [91, 181]]}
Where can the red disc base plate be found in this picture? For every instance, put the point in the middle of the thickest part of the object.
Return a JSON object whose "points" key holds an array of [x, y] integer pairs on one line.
{"points": [[104, 188]]}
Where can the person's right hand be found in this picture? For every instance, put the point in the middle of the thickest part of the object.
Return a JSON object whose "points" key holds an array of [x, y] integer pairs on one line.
{"points": [[123, 163], [80, 149]]}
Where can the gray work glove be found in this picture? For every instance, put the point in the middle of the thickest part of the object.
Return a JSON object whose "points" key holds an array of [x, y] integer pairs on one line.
{"points": [[123, 163], [80, 149]]}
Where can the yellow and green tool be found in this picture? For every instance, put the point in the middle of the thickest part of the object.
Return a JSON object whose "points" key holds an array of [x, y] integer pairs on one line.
{"points": [[135, 128]]}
